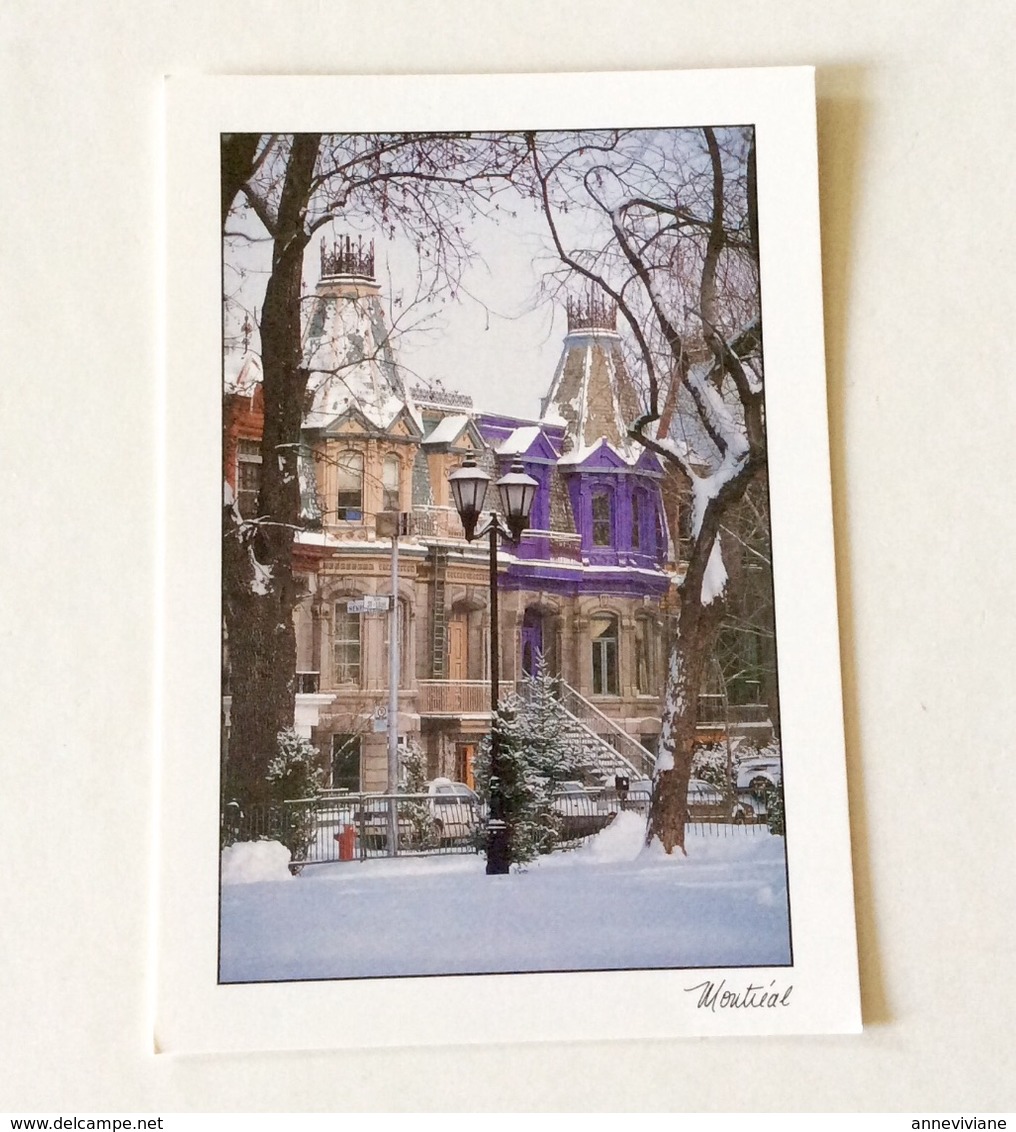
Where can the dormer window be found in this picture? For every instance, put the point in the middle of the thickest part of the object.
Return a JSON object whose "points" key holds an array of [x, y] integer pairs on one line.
{"points": [[349, 498], [601, 519]]}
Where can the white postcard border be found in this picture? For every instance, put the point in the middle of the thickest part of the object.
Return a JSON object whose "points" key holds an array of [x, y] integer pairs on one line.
{"points": [[192, 1012]]}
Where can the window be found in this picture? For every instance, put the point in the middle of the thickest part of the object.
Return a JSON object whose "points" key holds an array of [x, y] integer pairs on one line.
{"points": [[346, 763], [248, 476], [645, 656], [603, 632], [636, 523], [349, 500], [601, 519], [390, 473], [346, 643]]}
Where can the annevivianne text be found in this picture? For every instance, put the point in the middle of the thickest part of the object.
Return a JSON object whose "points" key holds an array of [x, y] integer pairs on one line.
{"points": [[959, 1122], [713, 996]]}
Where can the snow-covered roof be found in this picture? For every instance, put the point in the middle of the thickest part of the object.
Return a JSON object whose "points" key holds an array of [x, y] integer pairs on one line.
{"points": [[579, 455], [520, 441], [447, 430], [349, 354], [592, 393]]}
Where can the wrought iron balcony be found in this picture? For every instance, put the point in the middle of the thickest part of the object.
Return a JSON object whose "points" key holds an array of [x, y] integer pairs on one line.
{"points": [[458, 697]]}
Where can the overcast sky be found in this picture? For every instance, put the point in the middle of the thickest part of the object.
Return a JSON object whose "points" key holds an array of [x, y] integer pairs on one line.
{"points": [[498, 341]]}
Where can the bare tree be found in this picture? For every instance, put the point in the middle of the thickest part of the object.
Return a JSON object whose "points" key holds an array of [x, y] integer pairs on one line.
{"points": [[283, 189], [663, 223], [259, 590]]}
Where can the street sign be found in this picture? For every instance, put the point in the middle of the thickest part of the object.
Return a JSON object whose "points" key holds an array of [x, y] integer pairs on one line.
{"points": [[391, 524], [368, 604], [379, 719]]}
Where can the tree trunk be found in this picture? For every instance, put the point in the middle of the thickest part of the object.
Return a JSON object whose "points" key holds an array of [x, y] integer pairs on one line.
{"points": [[690, 652], [236, 161], [259, 591]]}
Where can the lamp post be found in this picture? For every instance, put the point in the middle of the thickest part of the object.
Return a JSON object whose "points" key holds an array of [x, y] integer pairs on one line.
{"points": [[516, 490]]}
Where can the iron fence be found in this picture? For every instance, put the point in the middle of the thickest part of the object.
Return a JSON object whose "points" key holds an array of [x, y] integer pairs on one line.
{"points": [[357, 827], [585, 814], [347, 827]]}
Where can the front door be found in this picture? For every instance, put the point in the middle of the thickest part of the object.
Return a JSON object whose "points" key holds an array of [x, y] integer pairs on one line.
{"points": [[532, 641], [464, 755], [458, 649]]}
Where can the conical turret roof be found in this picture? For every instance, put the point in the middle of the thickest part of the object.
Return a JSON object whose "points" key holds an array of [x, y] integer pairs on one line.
{"points": [[592, 394], [347, 343]]}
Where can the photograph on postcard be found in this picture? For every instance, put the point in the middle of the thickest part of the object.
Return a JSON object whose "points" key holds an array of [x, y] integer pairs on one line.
{"points": [[499, 662]]}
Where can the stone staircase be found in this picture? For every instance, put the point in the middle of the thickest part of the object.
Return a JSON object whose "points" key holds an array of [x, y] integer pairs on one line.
{"points": [[606, 745]]}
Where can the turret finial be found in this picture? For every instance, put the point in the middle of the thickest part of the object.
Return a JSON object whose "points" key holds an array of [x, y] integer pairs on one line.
{"points": [[591, 313], [347, 258]]}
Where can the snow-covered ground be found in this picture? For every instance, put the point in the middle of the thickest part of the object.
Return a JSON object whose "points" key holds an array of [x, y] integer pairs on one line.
{"points": [[610, 904]]}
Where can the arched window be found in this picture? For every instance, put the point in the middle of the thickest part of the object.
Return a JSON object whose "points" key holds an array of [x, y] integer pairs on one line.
{"points": [[346, 645], [349, 498], [390, 475], [603, 635]]}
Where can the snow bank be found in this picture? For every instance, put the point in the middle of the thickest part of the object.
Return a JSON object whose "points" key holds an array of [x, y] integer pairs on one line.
{"points": [[609, 905], [251, 862], [622, 840]]}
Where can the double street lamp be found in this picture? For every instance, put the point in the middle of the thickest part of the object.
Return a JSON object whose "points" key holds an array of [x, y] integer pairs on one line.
{"points": [[517, 490]]}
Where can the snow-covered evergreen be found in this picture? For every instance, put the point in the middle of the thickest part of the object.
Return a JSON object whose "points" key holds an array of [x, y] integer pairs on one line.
{"points": [[413, 780], [537, 755], [295, 774]]}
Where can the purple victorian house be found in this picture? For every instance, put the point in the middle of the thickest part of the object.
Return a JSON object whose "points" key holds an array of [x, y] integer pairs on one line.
{"points": [[590, 581]]}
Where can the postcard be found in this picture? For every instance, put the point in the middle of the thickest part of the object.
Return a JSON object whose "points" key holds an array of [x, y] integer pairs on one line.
{"points": [[500, 692]]}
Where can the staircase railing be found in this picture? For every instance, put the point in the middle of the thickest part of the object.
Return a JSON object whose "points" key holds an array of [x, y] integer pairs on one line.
{"points": [[593, 720], [608, 758]]}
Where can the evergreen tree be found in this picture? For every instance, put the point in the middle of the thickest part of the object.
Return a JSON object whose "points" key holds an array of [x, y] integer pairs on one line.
{"points": [[294, 776], [775, 817], [413, 780], [537, 755], [711, 764]]}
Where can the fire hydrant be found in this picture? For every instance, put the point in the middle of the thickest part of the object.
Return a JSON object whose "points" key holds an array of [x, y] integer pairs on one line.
{"points": [[346, 837]]}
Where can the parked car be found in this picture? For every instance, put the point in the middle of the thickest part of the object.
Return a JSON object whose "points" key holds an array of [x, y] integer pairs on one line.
{"points": [[581, 811], [759, 773], [454, 810], [621, 793], [706, 802], [447, 814]]}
